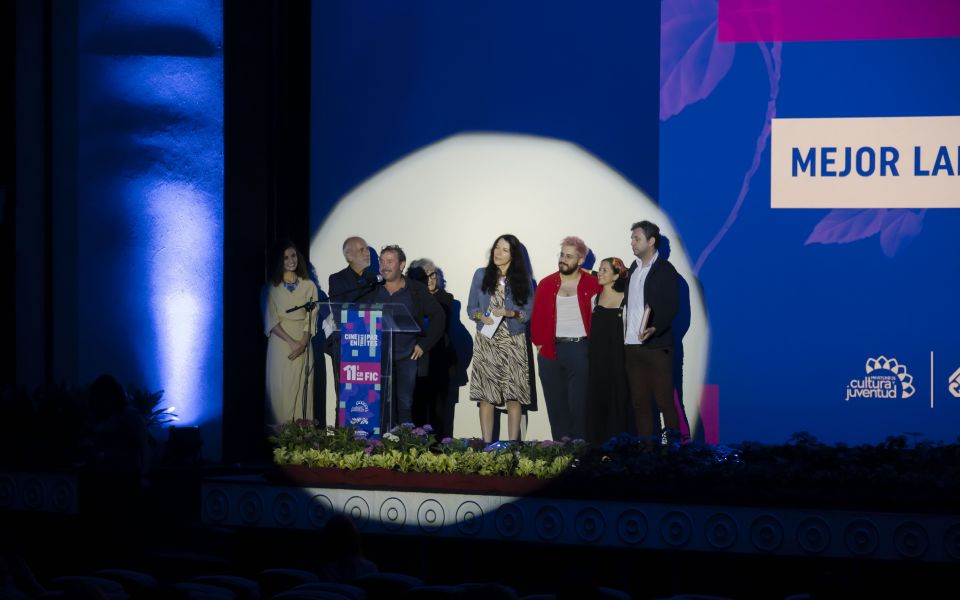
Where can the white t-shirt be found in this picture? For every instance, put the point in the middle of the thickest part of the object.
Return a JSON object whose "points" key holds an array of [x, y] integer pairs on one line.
{"points": [[569, 318], [635, 303]]}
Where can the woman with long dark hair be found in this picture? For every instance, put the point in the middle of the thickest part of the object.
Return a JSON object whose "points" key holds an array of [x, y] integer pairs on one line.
{"points": [[289, 357], [608, 402], [501, 303]]}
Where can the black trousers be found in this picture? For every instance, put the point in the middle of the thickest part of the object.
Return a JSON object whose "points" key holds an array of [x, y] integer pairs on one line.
{"points": [[564, 382], [650, 377]]}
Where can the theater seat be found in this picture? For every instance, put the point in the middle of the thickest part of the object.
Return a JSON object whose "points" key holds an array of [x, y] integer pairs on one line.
{"points": [[488, 591], [434, 592], [386, 585], [136, 583], [351, 591], [612, 594], [276, 580], [309, 595], [202, 591], [695, 597], [245, 589], [84, 584]]}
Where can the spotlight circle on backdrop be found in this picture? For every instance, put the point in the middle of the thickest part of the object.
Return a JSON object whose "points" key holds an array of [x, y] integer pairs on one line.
{"points": [[449, 201]]}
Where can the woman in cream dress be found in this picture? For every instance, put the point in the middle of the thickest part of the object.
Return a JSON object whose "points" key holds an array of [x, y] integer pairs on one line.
{"points": [[289, 358]]}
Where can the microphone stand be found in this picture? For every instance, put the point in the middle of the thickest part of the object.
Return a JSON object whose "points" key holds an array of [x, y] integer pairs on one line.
{"points": [[359, 291], [308, 306]]}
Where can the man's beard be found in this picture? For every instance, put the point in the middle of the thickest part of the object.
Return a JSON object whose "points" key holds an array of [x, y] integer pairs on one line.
{"points": [[565, 270]]}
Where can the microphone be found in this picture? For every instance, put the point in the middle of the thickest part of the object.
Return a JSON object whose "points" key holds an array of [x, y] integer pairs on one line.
{"points": [[372, 278], [309, 305], [365, 283]]}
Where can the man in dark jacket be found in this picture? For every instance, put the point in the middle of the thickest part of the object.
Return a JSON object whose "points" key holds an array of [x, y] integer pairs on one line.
{"points": [[354, 283], [408, 347], [653, 301]]}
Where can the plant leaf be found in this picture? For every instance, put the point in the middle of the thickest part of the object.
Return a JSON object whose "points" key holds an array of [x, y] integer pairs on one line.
{"points": [[692, 60], [895, 226], [843, 226], [899, 227]]}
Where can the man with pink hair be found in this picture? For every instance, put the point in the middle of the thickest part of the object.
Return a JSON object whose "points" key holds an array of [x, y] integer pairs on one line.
{"points": [[559, 328]]}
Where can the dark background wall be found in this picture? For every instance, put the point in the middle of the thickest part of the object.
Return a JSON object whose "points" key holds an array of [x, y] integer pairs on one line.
{"points": [[8, 65], [112, 173], [266, 186]]}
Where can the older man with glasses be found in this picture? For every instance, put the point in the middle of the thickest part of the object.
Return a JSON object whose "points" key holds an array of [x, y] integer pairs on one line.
{"points": [[436, 388]]}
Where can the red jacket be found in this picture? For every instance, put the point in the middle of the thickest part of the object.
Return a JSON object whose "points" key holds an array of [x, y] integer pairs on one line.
{"points": [[543, 323]]}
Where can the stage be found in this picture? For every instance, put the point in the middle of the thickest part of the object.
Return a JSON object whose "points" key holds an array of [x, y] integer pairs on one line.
{"points": [[446, 529], [527, 511]]}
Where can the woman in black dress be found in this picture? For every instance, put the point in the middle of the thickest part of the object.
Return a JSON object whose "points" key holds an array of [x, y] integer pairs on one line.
{"points": [[608, 402]]}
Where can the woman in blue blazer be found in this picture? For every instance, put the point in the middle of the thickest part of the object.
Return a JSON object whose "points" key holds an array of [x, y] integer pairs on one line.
{"points": [[501, 302]]}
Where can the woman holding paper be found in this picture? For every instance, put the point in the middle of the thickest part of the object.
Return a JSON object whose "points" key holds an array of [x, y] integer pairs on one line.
{"points": [[500, 303], [608, 400]]}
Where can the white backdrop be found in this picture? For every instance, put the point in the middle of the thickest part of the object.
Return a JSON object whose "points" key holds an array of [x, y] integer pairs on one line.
{"points": [[451, 200]]}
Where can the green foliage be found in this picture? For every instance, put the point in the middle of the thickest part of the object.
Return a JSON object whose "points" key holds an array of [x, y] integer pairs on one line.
{"points": [[54, 426], [147, 404], [888, 475], [413, 449]]}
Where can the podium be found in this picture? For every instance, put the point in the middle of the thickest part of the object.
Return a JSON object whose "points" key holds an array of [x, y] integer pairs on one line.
{"points": [[366, 362]]}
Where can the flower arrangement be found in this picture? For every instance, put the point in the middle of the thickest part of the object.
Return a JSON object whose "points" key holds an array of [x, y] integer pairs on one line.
{"points": [[408, 448], [891, 475]]}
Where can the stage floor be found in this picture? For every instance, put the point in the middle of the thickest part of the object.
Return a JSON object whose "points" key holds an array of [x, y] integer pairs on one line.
{"points": [[524, 510]]}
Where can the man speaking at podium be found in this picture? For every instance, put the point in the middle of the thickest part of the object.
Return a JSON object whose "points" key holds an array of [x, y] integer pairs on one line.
{"points": [[354, 283], [408, 348]]}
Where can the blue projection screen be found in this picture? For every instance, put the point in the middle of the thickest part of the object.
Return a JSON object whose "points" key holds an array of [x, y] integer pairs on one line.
{"points": [[442, 125]]}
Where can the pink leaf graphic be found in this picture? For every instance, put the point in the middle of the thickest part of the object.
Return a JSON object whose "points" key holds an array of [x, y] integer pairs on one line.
{"points": [[692, 60], [895, 226], [899, 227], [845, 226]]}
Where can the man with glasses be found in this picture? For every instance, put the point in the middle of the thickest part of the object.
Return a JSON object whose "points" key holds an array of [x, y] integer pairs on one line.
{"points": [[436, 387], [408, 347], [559, 328], [354, 283]]}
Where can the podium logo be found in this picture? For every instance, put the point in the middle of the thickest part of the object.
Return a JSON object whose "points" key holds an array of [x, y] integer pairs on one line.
{"points": [[360, 372], [885, 378], [954, 384], [360, 340]]}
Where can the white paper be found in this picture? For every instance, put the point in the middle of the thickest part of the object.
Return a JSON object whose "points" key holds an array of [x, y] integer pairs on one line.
{"points": [[489, 330], [329, 325], [644, 323], [645, 320]]}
